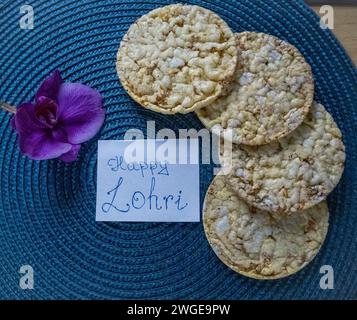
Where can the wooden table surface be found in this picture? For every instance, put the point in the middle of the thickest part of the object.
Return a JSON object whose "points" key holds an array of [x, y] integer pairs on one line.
{"points": [[345, 20]]}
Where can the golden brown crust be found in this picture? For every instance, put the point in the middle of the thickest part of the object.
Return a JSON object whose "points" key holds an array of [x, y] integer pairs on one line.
{"points": [[177, 58], [295, 173], [271, 95], [259, 244]]}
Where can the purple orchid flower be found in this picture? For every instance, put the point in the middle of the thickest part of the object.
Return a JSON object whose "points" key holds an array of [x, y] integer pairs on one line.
{"points": [[63, 116]]}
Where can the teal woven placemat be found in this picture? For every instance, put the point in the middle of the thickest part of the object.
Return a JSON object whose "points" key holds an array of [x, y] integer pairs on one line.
{"points": [[47, 209]]}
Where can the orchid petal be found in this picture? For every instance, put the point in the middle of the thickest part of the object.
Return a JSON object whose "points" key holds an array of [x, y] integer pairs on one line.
{"points": [[42, 145], [72, 154], [50, 87], [80, 111], [25, 120]]}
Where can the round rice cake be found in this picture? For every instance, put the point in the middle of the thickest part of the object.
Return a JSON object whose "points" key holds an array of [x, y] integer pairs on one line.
{"points": [[177, 58], [270, 96], [259, 244], [294, 173]]}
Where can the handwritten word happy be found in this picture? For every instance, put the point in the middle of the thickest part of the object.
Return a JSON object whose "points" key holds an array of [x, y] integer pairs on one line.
{"points": [[154, 167]]}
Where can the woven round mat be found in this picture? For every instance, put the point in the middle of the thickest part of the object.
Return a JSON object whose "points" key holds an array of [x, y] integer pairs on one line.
{"points": [[47, 209]]}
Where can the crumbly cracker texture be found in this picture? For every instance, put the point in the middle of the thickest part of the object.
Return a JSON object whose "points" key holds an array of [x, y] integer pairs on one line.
{"points": [[294, 173], [259, 244], [177, 58], [270, 96]]}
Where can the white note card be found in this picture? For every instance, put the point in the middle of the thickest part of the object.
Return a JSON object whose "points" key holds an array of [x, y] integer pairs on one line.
{"points": [[148, 180]]}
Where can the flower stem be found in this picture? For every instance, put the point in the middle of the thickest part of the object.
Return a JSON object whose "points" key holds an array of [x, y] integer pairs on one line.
{"points": [[7, 107]]}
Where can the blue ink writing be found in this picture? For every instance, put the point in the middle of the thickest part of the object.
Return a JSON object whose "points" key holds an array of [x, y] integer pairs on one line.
{"points": [[152, 195], [137, 197], [153, 168], [108, 205], [178, 202], [141, 199]]}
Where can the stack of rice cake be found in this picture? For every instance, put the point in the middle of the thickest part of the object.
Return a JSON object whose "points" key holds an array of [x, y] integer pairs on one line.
{"points": [[268, 217]]}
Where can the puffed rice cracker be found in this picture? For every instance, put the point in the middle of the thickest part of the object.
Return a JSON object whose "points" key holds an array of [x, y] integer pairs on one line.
{"points": [[271, 95], [177, 58], [294, 173], [259, 244]]}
